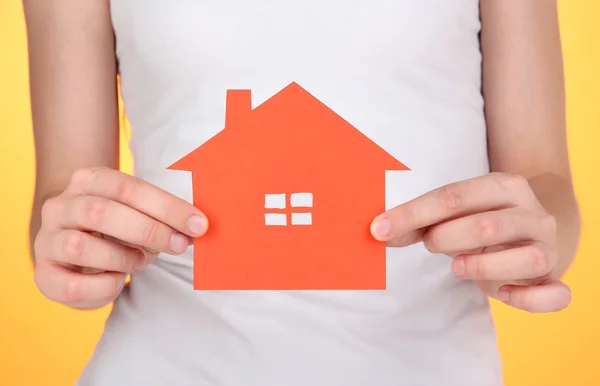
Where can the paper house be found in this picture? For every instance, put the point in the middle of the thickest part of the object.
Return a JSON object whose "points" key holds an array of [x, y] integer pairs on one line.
{"points": [[290, 189]]}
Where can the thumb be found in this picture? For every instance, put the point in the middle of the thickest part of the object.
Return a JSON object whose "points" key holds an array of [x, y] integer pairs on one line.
{"points": [[381, 230]]}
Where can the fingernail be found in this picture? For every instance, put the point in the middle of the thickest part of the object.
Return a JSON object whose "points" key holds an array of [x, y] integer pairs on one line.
{"points": [[458, 266], [141, 261], [503, 295], [381, 228], [179, 243], [197, 224]]}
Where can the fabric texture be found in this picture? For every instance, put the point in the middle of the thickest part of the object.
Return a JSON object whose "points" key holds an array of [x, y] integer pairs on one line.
{"points": [[407, 74]]}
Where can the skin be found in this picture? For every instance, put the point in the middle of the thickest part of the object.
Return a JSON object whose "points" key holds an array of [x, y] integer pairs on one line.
{"points": [[514, 229], [79, 195]]}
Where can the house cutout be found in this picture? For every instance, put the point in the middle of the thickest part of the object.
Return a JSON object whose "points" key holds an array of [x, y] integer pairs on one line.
{"points": [[290, 189]]}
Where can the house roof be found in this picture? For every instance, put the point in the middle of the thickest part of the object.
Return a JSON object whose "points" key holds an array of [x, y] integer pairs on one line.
{"points": [[293, 117]]}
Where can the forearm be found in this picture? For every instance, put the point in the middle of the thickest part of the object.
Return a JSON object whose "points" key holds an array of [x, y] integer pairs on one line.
{"points": [[72, 78], [35, 224], [523, 87], [556, 194], [35, 221]]}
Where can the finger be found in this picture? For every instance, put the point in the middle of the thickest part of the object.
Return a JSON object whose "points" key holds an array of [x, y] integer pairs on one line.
{"points": [[490, 192], [78, 290], [149, 254], [407, 239], [93, 213], [507, 226], [530, 261], [141, 196], [552, 296], [84, 250]]}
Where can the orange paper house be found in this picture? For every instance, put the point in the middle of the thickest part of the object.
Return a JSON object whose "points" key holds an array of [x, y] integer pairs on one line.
{"points": [[290, 189]]}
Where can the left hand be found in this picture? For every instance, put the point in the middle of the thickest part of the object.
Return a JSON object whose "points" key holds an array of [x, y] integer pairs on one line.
{"points": [[497, 233]]}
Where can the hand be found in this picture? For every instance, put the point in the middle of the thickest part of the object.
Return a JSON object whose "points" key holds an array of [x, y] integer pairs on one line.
{"points": [[105, 225], [497, 233]]}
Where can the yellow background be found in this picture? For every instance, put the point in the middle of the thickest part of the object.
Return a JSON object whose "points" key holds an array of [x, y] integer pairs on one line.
{"points": [[42, 343]]}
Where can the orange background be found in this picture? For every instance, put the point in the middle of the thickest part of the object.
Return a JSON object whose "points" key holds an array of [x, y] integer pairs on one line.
{"points": [[42, 343]]}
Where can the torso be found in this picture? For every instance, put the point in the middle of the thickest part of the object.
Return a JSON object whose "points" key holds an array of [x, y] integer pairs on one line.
{"points": [[408, 75]]}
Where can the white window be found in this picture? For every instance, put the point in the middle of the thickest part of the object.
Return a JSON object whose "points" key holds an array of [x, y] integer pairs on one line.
{"points": [[302, 200], [275, 219], [274, 201], [277, 203], [301, 219]]}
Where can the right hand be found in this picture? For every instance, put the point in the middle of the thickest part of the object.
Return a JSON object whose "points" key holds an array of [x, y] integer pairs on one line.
{"points": [[104, 226]]}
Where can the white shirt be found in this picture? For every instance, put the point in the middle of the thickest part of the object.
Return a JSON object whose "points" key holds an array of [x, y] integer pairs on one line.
{"points": [[407, 73]]}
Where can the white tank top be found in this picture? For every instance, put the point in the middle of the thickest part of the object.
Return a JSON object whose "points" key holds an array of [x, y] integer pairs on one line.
{"points": [[407, 74]]}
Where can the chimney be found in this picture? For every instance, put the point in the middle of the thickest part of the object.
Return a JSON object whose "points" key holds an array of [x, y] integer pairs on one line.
{"points": [[238, 106]]}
